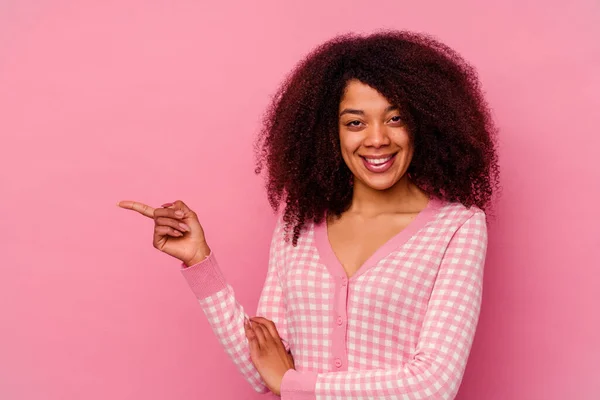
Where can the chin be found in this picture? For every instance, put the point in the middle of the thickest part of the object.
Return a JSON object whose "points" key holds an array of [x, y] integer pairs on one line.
{"points": [[380, 183]]}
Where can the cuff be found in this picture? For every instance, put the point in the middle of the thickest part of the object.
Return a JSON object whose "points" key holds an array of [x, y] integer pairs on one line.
{"points": [[298, 385], [205, 277]]}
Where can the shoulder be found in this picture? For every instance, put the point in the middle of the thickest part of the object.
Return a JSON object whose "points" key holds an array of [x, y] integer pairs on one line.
{"points": [[457, 214], [453, 219], [280, 231], [467, 226]]}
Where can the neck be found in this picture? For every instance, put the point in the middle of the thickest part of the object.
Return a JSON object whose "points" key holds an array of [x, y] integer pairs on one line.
{"points": [[404, 196]]}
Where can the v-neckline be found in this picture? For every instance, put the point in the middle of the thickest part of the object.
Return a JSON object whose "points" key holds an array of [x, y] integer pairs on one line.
{"points": [[334, 265]]}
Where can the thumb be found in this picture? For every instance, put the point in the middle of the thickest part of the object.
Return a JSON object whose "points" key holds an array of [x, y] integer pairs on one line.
{"points": [[180, 205]]}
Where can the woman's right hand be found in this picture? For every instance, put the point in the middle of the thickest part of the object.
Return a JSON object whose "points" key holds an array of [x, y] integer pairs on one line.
{"points": [[177, 231]]}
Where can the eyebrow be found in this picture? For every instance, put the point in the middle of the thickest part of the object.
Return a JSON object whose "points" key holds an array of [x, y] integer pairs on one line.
{"points": [[361, 112]]}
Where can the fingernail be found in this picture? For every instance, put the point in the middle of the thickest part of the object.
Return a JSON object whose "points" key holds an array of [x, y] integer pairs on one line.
{"points": [[179, 213], [184, 227], [167, 205]]}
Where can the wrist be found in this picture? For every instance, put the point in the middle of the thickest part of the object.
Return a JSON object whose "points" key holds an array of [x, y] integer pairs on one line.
{"points": [[277, 388], [201, 255]]}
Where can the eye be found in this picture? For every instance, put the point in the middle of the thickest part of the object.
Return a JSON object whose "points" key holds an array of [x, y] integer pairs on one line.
{"points": [[354, 124], [396, 119]]}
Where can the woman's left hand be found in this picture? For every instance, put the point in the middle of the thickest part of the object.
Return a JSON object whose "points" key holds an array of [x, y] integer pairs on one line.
{"points": [[267, 352]]}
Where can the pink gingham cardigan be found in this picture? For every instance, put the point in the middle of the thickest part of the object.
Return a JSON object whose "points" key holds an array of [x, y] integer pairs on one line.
{"points": [[400, 328]]}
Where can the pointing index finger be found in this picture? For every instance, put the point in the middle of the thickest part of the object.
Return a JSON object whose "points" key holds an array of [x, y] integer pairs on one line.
{"points": [[142, 208]]}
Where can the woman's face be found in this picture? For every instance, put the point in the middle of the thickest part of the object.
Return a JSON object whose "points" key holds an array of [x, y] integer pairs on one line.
{"points": [[374, 139]]}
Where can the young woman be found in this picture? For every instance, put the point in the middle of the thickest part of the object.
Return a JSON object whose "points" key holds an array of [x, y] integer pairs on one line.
{"points": [[383, 152]]}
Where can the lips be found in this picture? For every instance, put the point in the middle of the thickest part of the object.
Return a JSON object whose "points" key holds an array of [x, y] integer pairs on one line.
{"points": [[378, 156], [379, 163]]}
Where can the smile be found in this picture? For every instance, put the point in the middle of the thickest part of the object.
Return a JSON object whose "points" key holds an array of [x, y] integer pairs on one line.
{"points": [[379, 164], [376, 161]]}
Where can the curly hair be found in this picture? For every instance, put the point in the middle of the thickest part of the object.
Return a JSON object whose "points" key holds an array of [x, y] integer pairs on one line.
{"points": [[438, 93]]}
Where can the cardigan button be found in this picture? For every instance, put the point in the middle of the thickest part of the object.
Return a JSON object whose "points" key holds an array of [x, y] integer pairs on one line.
{"points": [[344, 281], [338, 362], [339, 320]]}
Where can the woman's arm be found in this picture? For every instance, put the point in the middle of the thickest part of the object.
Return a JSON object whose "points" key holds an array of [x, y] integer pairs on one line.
{"points": [[226, 316], [438, 363]]}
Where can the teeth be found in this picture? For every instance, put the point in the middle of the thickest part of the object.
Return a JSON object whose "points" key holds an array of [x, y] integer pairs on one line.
{"points": [[378, 160]]}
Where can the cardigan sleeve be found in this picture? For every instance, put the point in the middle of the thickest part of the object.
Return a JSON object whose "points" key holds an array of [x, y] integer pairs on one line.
{"points": [[226, 316], [437, 365]]}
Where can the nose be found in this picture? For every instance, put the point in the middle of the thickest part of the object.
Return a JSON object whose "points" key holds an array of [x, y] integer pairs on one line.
{"points": [[376, 136]]}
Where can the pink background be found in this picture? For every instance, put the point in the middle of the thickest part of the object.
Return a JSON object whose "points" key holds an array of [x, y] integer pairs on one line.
{"points": [[161, 100]]}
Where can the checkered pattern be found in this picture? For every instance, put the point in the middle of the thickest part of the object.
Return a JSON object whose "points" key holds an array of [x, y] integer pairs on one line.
{"points": [[402, 329]]}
